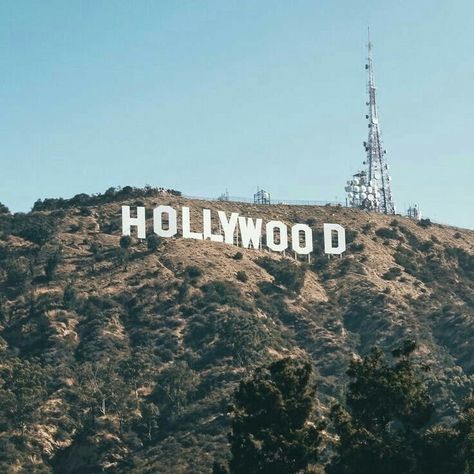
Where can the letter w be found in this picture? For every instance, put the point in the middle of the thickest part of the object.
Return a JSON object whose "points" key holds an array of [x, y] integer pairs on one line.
{"points": [[250, 232]]}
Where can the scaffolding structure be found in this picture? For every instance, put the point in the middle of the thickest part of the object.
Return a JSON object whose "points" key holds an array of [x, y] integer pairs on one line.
{"points": [[414, 212], [224, 196], [261, 197]]}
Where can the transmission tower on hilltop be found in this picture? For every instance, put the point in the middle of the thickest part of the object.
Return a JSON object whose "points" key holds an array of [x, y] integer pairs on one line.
{"points": [[370, 188]]}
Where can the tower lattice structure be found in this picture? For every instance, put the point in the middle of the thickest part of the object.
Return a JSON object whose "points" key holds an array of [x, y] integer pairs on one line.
{"points": [[370, 188]]}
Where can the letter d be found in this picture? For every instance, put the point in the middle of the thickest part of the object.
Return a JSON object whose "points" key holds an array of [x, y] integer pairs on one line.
{"points": [[328, 241]]}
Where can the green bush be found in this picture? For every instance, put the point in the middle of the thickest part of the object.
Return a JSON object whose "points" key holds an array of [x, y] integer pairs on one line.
{"points": [[234, 334], [52, 264], [407, 259], [111, 195], [238, 256], [4, 209], [175, 387], [192, 273], [392, 273], [464, 260], [351, 235], [366, 228], [320, 263], [357, 247], [285, 273], [17, 274], [69, 296], [125, 242], [387, 233], [85, 211], [36, 228], [222, 292], [153, 242], [425, 223], [242, 276]]}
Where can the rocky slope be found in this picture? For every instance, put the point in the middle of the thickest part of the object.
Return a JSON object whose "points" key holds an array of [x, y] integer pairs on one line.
{"points": [[124, 359]]}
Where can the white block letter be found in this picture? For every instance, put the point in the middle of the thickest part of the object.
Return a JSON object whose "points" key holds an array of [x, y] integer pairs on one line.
{"points": [[228, 226], [328, 241], [207, 227], [158, 221], [138, 221], [250, 232], [187, 234], [270, 229], [307, 246]]}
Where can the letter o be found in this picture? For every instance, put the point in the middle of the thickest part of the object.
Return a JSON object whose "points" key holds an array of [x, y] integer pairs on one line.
{"points": [[307, 247], [270, 230], [158, 221]]}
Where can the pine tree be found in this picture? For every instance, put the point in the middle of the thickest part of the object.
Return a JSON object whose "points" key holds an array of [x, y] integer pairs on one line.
{"points": [[387, 408], [271, 428], [4, 209], [465, 426]]}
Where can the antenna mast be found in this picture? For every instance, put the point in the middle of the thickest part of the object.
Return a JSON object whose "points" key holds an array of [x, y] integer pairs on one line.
{"points": [[370, 189]]}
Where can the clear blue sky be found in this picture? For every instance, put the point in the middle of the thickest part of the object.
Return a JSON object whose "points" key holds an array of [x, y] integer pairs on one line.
{"points": [[207, 95]]}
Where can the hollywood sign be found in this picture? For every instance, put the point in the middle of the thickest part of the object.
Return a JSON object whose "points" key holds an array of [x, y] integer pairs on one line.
{"points": [[235, 230]]}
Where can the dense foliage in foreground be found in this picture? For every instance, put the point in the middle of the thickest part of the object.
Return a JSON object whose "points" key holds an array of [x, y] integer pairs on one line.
{"points": [[382, 427]]}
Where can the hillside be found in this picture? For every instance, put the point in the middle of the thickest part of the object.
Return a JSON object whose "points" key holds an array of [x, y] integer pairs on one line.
{"points": [[124, 359]]}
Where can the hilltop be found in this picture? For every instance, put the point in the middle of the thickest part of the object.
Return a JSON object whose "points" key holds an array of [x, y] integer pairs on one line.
{"points": [[123, 358]]}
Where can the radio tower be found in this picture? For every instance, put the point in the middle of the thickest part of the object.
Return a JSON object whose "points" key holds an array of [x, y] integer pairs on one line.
{"points": [[370, 189]]}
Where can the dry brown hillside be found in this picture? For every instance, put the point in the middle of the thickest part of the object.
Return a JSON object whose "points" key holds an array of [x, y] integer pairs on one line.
{"points": [[133, 353]]}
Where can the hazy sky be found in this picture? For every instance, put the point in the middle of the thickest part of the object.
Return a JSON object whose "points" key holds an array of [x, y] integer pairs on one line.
{"points": [[207, 95]]}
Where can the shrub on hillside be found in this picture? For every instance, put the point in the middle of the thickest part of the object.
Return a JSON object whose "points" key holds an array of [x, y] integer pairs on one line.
{"points": [[234, 334], [407, 259], [125, 242], [52, 264], [153, 242], [192, 273], [4, 209], [111, 195], [223, 292], [111, 226], [85, 212], [17, 273], [238, 256], [425, 223], [36, 228], [320, 263], [387, 233], [357, 247], [366, 228], [242, 276], [464, 259], [392, 273], [285, 273], [351, 235], [70, 296], [175, 386], [4, 252], [74, 228]]}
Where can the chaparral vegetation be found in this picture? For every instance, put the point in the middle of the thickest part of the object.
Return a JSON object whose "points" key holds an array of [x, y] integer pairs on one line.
{"points": [[171, 355]]}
